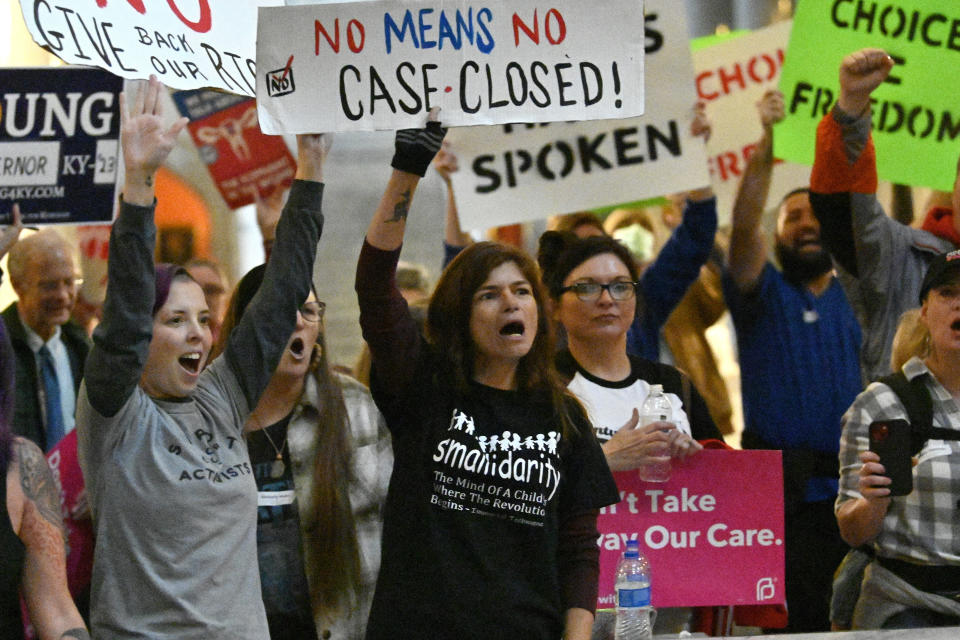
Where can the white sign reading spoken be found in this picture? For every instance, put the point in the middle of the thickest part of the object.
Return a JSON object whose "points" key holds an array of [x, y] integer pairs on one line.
{"points": [[384, 64], [517, 173]]}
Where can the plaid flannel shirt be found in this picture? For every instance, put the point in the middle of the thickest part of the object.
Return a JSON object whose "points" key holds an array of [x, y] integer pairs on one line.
{"points": [[923, 527]]}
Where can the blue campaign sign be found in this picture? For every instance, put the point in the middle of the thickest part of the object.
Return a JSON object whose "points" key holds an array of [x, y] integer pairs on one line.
{"points": [[59, 144]]}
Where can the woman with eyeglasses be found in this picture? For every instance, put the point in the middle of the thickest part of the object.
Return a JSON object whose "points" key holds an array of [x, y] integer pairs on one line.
{"points": [[593, 284], [160, 436], [321, 457]]}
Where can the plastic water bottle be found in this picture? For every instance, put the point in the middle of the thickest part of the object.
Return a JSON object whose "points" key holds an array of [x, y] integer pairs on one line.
{"points": [[633, 596], [656, 408]]}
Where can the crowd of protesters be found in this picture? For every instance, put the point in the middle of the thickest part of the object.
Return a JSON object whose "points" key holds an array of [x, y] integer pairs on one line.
{"points": [[237, 485]]}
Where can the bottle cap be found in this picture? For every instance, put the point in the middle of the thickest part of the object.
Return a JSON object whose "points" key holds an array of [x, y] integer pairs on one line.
{"points": [[633, 549], [656, 388]]}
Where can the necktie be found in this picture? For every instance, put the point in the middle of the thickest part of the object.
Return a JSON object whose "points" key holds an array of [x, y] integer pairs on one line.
{"points": [[51, 395]]}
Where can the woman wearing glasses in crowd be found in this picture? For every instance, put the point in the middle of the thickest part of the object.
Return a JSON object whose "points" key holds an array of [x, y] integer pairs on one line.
{"points": [[321, 456], [593, 285], [161, 437], [490, 521]]}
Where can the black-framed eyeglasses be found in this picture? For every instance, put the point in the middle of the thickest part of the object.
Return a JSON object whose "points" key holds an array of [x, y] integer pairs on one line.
{"points": [[313, 311], [619, 290]]}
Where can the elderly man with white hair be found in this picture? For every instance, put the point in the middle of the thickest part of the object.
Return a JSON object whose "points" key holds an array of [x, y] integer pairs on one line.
{"points": [[50, 350]]}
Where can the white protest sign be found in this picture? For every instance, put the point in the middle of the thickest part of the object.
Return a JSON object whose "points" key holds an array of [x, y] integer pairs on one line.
{"points": [[517, 173], [362, 66], [732, 76], [187, 44]]}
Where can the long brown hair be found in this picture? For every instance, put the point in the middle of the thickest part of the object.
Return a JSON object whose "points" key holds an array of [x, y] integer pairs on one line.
{"points": [[330, 548], [331, 552], [448, 327]]}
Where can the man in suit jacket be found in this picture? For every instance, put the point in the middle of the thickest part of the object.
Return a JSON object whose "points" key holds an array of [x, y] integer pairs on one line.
{"points": [[44, 277]]}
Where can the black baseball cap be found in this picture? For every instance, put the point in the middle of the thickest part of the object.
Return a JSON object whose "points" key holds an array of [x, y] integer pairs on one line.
{"points": [[944, 269]]}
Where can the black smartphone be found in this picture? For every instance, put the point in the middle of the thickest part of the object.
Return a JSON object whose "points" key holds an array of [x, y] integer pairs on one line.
{"points": [[890, 439]]}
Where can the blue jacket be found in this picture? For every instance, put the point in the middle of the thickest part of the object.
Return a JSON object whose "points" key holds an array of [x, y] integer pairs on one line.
{"points": [[667, 279]]}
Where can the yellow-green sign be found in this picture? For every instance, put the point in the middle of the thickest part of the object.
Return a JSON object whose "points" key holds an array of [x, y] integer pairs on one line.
{"points": [[916, 112]]}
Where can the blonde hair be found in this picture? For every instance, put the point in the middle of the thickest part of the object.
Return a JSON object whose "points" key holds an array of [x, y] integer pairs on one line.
{"points": [[911, 339]]}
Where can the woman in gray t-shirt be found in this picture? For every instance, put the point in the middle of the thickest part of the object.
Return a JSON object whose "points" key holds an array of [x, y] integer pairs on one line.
{"points": [[160, 436]]}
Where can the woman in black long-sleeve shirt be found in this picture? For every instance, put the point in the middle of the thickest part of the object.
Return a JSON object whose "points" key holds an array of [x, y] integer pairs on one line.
{"points": [[490, 521]]}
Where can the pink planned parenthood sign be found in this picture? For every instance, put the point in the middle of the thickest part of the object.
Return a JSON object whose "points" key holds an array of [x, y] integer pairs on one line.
{"points": [[713, 533]]}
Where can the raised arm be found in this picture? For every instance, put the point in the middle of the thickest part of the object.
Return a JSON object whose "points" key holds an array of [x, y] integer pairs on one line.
{"points": [[38, 524], [748, 247], [121, 340], [845, 164], [11, 233], [861, 519], [678, 264], [384, 317], [414, 150], [454, 239], [268, 215], [256, 344], [860, 73]]}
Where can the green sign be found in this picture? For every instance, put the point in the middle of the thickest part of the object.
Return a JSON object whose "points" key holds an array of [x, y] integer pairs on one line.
{"points": [[916, 112]]}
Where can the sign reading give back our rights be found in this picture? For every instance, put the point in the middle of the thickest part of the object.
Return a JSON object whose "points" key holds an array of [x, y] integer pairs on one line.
{"points": [[385, 64], [187, 44]]}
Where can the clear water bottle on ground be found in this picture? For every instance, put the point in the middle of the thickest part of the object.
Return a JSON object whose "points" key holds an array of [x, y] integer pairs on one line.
{"points": [[635, 616], [656, 408]]}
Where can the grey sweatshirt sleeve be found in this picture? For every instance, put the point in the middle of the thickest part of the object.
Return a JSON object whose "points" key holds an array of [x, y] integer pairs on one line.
{"points": [[256, 344], [122, 339]]}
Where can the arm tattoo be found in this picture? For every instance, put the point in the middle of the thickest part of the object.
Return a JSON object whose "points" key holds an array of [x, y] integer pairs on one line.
{"points": [[401, 208], [149, 181], [78, 633], [38, 484]]}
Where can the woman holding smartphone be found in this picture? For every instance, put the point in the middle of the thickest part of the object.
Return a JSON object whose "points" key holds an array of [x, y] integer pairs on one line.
{"points": [[914, 579]]}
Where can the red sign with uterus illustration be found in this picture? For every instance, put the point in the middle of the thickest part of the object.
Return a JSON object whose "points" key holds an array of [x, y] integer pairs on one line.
{"points": [[713, 533], [243, 162]]}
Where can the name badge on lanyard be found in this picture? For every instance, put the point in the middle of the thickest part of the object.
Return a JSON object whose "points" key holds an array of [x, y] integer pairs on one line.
{"points": [[275, 498]]}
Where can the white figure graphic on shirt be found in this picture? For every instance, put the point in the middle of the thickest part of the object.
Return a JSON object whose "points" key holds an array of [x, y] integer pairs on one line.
{"points": [[553, 439]]}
